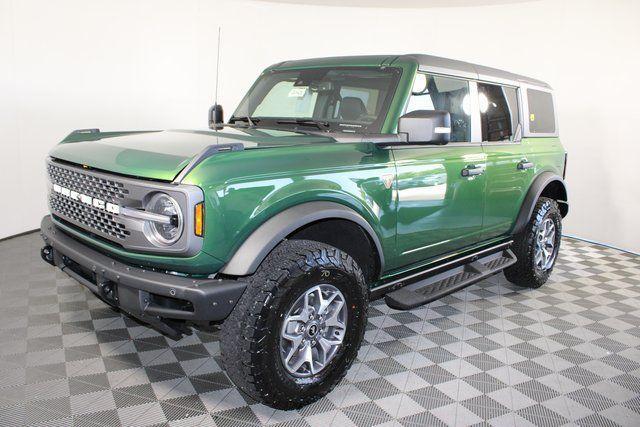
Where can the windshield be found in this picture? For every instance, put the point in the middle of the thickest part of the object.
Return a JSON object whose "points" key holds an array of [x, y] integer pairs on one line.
{"points": [[335, 99]]}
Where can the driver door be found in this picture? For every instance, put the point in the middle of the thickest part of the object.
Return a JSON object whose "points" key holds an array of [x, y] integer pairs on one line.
{"points": [[440, 188]]}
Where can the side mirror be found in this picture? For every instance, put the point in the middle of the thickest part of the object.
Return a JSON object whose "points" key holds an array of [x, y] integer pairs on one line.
{"points": [[426, 126], [216, 116]]}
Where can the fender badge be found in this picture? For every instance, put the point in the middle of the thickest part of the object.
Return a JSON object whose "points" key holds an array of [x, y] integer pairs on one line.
{"points": [[388, 180]]}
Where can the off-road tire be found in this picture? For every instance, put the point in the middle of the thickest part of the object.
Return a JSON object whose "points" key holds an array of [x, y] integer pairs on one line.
{"points": [[523, 272], [250, 336]]}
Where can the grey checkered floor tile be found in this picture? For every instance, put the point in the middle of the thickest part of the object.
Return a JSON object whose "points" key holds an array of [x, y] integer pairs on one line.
{"points": [[568, 353]]}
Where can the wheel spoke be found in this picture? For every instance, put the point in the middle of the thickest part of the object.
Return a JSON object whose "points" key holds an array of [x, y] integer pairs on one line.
{"points": [[304, 356], [331, 342], [332, 319], [294, 349], [325, 346], [551, 231], [326, 303], [538, 257], [319, 300], [545, 257], [308, 308], [300, 318], [308, 357], [295, 339]]}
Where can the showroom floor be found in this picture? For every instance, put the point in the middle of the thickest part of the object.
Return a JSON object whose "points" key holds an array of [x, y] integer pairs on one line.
{"points": [[567, 353]]}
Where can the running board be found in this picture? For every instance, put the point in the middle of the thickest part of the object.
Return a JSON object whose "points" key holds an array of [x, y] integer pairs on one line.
{"points": [[432, 288]]}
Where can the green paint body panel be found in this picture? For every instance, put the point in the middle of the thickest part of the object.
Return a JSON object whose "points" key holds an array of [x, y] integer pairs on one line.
{"points": [[439, 210], [249, 187], [161, 155], [428, 211]]}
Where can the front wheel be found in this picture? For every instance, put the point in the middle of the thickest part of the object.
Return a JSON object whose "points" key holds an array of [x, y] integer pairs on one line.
{"points": [[298, 326], [537, 246]]}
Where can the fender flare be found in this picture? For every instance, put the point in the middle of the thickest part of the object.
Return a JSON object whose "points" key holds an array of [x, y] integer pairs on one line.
{"points": [[535, 190], [267, 236]]}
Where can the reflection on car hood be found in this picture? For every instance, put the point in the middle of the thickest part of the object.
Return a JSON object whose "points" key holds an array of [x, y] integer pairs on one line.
{"points": [[161, 155]]}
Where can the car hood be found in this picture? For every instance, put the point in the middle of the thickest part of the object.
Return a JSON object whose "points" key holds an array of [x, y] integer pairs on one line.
{"points": [[161, 155]]}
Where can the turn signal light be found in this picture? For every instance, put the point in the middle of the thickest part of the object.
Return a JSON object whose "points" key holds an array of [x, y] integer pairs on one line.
{"points": [[199, 219]]}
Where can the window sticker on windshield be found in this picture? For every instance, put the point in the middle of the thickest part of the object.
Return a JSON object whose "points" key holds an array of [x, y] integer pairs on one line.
{"points": [[297, 92]]}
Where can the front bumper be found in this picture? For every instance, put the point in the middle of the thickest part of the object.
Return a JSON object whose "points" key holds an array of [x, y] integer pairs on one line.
{"points": [[165, 301]]}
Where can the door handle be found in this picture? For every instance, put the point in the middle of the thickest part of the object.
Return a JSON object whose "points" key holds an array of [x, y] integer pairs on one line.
{"points": [[473, 170], [524, 165]]}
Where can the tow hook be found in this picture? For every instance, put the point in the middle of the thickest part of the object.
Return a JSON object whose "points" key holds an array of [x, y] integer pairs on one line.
{"points": [[47, 254]]}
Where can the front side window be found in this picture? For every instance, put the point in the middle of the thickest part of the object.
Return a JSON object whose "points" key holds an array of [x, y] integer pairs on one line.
{"points": [[341, 99], [446, 94], [542, 118], [498, 112]]}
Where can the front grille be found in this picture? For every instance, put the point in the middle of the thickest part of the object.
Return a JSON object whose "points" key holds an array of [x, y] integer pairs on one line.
{"points": [[93, 202], [105, 189], [87, 216], [82, 214]]}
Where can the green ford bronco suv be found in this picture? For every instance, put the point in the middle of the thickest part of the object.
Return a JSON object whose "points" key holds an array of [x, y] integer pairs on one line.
{"points": [[335, 181]]}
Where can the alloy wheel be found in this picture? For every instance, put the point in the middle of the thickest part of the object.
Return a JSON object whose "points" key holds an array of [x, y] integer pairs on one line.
{"points": [[313, 330], [545, 245]]}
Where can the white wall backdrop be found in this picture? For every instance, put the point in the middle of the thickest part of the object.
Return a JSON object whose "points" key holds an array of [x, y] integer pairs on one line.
{"points": [[118, 64]]}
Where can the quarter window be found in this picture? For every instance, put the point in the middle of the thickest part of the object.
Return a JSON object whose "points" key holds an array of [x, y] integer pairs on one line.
{"points": [[498, 112], [542, 118], [447, 94]]}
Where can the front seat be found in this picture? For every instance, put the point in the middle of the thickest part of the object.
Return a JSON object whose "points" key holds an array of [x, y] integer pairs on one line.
{"points": [[352, 108]]}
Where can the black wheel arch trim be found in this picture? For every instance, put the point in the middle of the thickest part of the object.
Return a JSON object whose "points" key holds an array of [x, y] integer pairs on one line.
{"points": [[535, 191], [266, 237]]}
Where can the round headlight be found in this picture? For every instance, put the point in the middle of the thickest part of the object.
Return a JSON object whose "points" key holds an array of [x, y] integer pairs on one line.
{"points": [[164, 233]]}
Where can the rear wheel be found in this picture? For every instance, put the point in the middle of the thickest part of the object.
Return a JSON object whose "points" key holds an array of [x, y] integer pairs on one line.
{"points": [[298, 326], [536, 247]]}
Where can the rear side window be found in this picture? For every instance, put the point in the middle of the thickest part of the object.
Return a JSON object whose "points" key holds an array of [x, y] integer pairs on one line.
{"points": [[498, 112], [541, 113]]}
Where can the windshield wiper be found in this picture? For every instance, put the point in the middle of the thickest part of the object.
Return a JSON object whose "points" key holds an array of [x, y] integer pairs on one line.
{"points": [[251, 121], [305, 122]]}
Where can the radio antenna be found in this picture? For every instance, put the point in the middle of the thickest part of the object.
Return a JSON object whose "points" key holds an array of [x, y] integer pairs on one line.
{"points": [[217, 66], [216, 120]]}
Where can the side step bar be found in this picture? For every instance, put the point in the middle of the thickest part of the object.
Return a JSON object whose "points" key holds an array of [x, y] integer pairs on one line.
{"points": [[432, 288]]}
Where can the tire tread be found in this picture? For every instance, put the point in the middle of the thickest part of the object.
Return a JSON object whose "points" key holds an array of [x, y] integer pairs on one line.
{"points": [[522, 272], [244, 333]]}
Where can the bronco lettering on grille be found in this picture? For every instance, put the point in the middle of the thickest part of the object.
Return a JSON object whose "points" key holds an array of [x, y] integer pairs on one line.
{"points": [[87, 200]]}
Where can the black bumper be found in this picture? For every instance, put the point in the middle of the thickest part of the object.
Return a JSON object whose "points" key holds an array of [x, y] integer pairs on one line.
{"points": [[165, 301]]}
